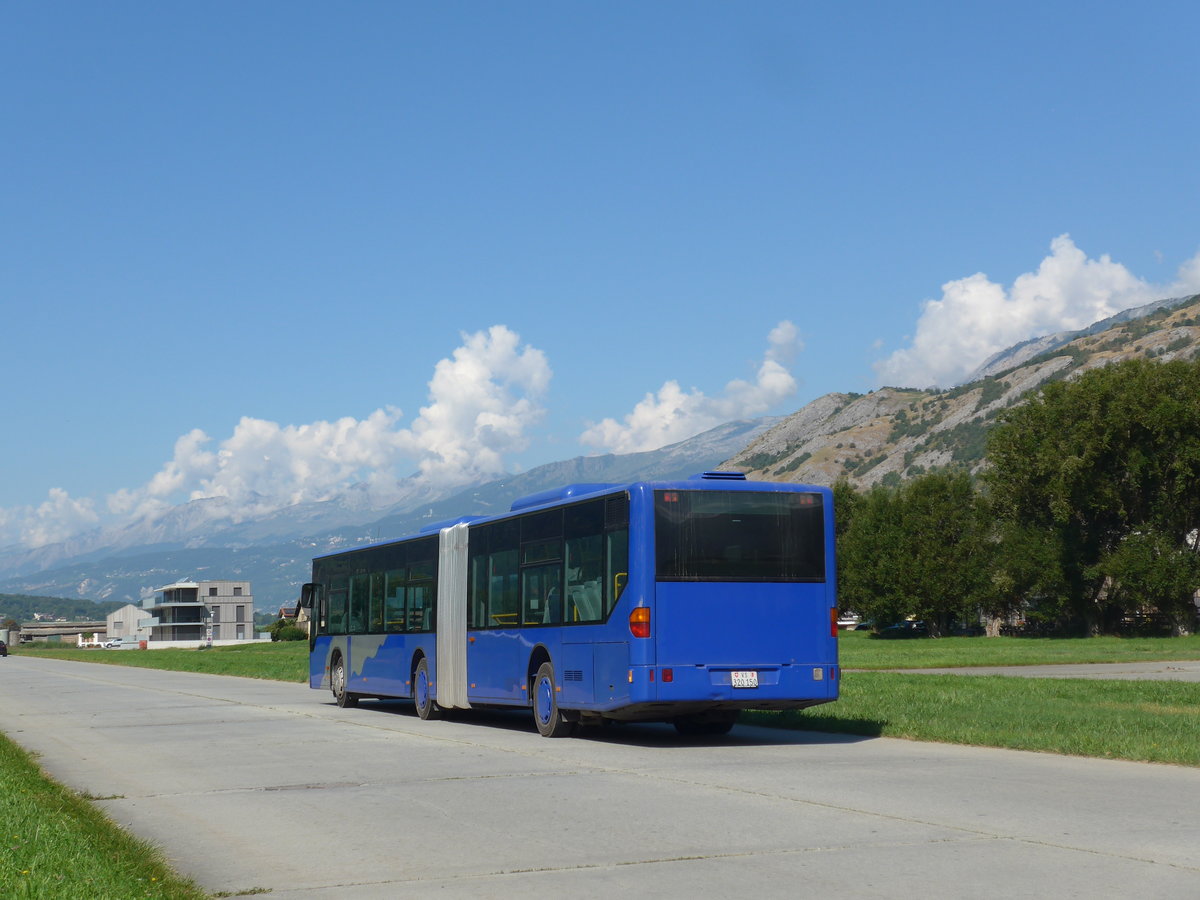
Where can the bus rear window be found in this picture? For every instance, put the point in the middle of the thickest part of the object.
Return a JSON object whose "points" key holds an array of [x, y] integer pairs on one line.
{"points": [[739, 536]]}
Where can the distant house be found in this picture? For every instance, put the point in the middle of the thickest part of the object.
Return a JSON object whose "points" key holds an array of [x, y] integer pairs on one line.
{"points": [[288, 612], [184, 611], [128, 622]]}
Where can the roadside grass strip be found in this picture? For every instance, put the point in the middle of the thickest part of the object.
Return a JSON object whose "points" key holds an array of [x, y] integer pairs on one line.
{"points": [[56, 844], [288, 660], [1144, 721], [860, 650], [275, 661]]}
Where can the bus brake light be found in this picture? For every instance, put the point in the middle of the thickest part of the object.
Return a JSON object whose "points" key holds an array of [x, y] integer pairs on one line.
{"points": [[639, 622], [833, 620]]}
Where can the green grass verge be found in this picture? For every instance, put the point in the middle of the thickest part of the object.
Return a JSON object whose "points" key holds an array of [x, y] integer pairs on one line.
{"points": [[56, 844], [859, 650], [276, 661], [1148, 721], [288, 660]]}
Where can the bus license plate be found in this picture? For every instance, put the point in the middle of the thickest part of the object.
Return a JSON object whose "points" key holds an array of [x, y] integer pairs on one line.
{"points": [[744, 679]]}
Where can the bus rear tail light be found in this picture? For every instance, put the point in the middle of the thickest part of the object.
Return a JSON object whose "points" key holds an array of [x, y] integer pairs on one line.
{"points": [[639, 622], [833, 619]]}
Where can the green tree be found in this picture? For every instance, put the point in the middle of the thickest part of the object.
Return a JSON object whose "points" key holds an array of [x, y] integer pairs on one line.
{"points": [[1103, 472], [922, 550], [1150, 571]]}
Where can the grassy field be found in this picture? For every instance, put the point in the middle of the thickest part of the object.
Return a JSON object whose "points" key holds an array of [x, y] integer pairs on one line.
{"points": [[56, 844], [1145, 721], [282, 661], [859, 650], [288, 661]]}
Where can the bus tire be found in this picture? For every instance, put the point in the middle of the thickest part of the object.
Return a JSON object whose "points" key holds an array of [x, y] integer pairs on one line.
{"points": [[546, 715], [337, 682], [427, 707]]}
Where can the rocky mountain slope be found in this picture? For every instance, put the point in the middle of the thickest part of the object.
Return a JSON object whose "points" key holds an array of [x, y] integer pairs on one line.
{"points": [[896, 433]]}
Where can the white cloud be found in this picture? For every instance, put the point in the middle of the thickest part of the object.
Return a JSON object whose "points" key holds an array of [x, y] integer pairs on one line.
{"points": [[482, 401], [59, 517], [672, 414], [976, 317]]}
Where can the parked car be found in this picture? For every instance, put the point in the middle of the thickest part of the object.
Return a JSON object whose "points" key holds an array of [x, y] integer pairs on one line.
{"points": [[3, 649], [110, 644], [907, 628]]}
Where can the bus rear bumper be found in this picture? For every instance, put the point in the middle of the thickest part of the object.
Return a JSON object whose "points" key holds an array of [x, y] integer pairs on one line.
{"points": [[791, 686]]}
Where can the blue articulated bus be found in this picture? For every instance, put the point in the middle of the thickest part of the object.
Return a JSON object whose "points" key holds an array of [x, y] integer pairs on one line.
{"points": [[683, 601]]}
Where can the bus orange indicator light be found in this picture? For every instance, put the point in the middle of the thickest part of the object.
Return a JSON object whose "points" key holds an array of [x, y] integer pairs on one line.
{"points": [[639, 622]]}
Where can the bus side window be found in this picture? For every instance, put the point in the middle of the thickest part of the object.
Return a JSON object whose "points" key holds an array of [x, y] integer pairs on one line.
{"points": [[420, 597], [360, 593], [337, 605], [542, 594], [478, 592], [377, 597], [618, 567], [585, 579], [583, 562], [394, 601], [504, 602]]}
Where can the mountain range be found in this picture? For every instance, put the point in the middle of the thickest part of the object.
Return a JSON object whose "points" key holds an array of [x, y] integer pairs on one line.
{"points": [[274, 552], [895, 433], [884, 436]]}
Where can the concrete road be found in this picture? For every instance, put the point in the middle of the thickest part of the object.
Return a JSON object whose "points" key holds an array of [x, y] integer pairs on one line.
{"points": [[249, 784]]}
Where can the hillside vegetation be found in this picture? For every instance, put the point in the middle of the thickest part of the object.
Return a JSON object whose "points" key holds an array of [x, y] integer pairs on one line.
{"points": [[896, 433], [23, 607], [1085, 520]]}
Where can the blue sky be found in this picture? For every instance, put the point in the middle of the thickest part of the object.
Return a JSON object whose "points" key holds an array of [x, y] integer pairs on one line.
{"points": [[244, 246]]}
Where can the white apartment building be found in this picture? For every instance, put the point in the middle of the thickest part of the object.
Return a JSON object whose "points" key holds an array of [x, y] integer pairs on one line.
{"points": [[184, 611]]}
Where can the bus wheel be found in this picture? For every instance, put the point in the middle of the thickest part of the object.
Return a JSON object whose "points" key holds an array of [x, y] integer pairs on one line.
{"points": [[427, 707], [337, 679], [546, 714]]}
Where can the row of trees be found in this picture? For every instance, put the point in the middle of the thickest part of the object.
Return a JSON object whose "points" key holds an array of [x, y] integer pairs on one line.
{"points": [[1086, 516]]}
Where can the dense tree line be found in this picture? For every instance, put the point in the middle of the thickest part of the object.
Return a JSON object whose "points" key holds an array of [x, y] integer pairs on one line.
{"points": [[1086, 517]]}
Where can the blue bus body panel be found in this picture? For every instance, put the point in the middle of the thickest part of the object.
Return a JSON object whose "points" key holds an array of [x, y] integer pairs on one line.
{"points": [[318, 662], [381, 666], [496, 666], [378, 665], [714, 623]]}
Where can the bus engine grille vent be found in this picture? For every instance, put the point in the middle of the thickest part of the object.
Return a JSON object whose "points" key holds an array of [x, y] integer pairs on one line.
{"points": [[616, 511], [573, 675]]}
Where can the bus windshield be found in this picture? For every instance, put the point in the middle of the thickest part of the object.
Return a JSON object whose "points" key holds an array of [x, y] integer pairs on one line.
{"points": [[739, 536]]}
